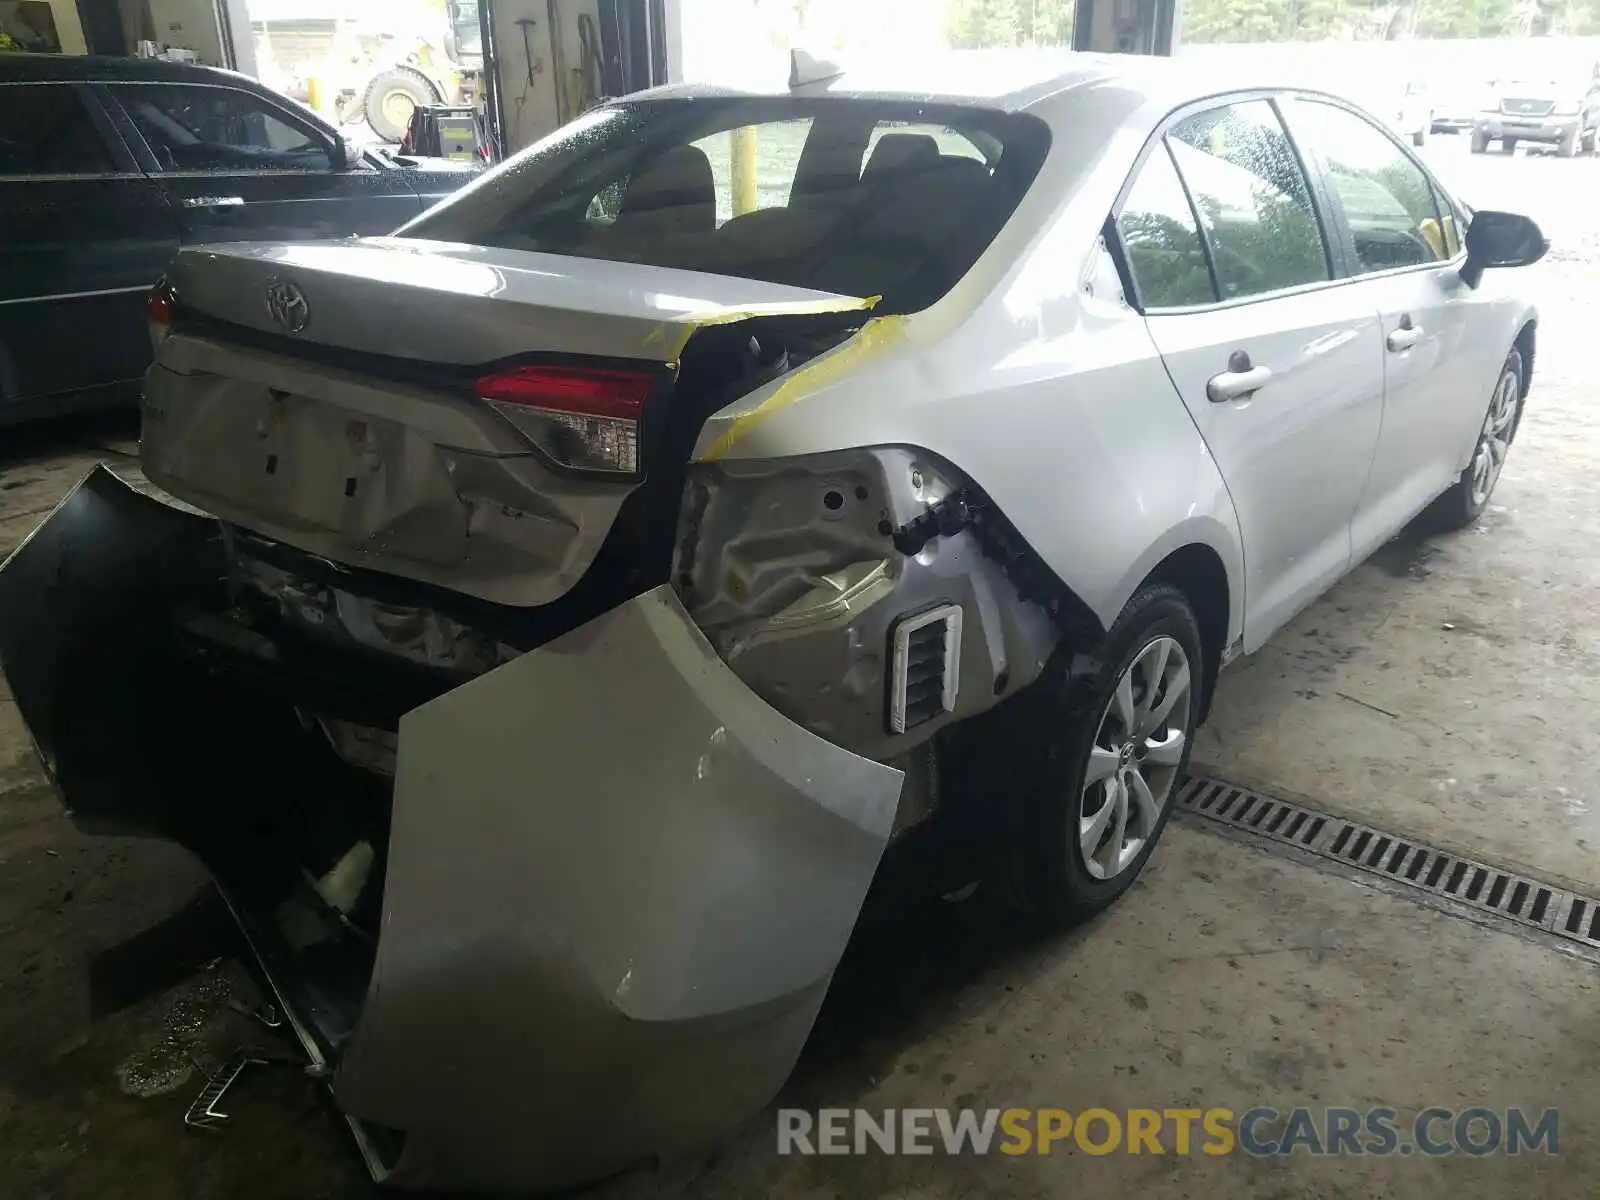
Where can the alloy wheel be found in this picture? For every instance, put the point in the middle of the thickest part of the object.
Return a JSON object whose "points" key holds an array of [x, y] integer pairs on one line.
{"points": [[1494, 440], [1133, 763]]}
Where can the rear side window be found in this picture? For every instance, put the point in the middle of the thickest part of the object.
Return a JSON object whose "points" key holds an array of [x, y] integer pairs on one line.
{"points": [[895, 200], [46, 130], [1253, 200], [1388, 200], [1161, 239], [193, 128]]}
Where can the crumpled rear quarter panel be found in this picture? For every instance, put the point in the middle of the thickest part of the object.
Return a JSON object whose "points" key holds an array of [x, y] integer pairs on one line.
{"points": [[618, 886]]}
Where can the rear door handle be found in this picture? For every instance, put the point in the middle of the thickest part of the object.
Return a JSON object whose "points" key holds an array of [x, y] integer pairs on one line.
{"points": [[213, 201], [1239, 380], [1405, 336]]}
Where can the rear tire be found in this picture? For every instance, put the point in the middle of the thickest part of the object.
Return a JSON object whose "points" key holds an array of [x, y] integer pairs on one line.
{"points": [[1069, 753], [1480, 142], [392, 93], [1420, 137], [1464, 503]]}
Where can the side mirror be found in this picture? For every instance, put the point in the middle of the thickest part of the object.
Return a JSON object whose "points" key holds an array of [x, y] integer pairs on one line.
{"points": [[1501, 239], [343, 154]]}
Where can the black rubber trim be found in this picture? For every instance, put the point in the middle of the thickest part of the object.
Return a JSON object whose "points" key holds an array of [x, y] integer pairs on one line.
{"points": [[1036, 583]]}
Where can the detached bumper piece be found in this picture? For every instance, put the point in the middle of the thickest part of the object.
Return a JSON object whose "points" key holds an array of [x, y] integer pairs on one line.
{"points": [[617, 883], [87, 642]]}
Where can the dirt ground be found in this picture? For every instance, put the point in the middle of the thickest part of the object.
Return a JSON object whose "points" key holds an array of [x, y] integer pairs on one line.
{"points": [[1446, 689]]}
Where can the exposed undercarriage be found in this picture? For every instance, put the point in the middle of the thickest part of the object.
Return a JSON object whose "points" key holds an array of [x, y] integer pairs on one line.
{"points": [[397, 785]]}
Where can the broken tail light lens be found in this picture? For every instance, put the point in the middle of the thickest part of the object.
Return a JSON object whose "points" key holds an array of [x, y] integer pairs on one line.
{"points": [[161, 307], [586, 418]]}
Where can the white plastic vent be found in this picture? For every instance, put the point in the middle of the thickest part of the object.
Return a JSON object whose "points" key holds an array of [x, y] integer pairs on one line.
{"points": [[926, 667]]}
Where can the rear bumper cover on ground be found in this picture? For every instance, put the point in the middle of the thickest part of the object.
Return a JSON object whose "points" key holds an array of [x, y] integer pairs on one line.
{"points": [[618, 882]]}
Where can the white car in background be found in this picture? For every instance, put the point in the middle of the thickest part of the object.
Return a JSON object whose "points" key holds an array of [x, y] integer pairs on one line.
{"points": [[1455, 105], [572, 604], [1414, 113]]}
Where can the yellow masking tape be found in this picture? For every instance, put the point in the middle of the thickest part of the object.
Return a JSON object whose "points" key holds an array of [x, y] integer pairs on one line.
{"points": [[686, 327], [874, 337]]}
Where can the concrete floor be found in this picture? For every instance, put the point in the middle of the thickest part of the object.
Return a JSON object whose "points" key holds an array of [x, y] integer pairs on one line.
{"points": [[1447, 689]]}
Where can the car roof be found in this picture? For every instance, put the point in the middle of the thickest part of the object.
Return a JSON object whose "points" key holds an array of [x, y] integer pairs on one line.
{"points": [[1008, 80], [95, 68]]}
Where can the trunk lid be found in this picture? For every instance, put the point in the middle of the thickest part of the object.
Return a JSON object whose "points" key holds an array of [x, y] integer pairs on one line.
{"points": [[444, 303], [323, 395]]}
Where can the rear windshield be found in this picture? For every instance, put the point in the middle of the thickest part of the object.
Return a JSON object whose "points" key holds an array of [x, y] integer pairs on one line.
{"points": [[864, 199]]}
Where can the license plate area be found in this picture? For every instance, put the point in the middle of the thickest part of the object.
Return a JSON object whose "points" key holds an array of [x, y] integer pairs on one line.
{"points": [[307, 464]]}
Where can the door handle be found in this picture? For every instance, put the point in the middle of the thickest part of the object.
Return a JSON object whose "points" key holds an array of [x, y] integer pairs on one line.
{"points": [[213, 201], [1239, 380], [1404, 337]]}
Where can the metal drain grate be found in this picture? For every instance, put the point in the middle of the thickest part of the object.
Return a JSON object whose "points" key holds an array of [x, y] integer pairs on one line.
{"points": [[1404, 860]]}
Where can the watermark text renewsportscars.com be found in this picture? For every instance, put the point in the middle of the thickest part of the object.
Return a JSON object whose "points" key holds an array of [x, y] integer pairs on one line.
{"points": [[1259, 1132]]}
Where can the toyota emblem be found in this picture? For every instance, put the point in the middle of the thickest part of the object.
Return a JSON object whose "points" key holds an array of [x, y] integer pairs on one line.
{"points": [[286, 304]]}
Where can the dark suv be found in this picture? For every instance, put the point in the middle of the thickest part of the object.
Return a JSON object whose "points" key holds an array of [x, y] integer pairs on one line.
{"points": [[108, 165]]}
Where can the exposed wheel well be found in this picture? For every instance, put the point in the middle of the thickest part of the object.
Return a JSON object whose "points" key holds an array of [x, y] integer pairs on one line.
{"points": [[1197, 571], [1524, 341]]}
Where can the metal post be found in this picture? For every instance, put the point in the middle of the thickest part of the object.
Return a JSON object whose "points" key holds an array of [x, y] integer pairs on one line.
{"points": [[744, 169], [494, 116]]}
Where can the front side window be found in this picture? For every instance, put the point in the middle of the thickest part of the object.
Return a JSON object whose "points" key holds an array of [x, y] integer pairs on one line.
{"points": [[1253, 200], [463, 16], [46, 130], [192, 128], [1161, 239], [1388, 200], [1452, 223], [862, 198]]}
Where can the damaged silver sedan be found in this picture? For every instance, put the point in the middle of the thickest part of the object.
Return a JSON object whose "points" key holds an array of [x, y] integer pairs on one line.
{"points": [[559, 619]]}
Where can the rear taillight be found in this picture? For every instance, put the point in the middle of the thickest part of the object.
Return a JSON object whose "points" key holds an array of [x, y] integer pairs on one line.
{"points": [[586, 418], [161, 307]]}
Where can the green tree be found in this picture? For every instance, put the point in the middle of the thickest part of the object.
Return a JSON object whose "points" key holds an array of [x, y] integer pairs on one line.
{"points": [[1237, 21], [981, 24], [1046, 22]]}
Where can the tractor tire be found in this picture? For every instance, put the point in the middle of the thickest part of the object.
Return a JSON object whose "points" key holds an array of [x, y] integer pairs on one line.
{"points": [[391, 97]]}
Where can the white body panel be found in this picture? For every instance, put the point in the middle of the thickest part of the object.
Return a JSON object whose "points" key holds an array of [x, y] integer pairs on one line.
{"points": [[1054, 400], [1295, 453]]}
